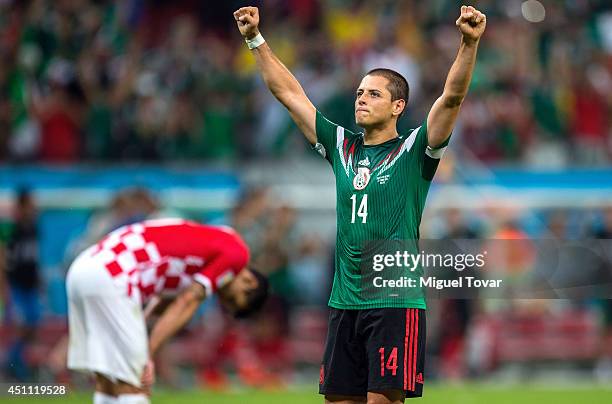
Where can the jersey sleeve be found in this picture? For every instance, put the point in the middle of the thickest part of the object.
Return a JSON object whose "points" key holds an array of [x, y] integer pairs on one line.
{"points": [[219, 271], [326, 132], [426, 157]]}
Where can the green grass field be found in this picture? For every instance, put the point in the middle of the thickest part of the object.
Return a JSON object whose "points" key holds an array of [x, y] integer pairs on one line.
{"points": [[434, 394]]}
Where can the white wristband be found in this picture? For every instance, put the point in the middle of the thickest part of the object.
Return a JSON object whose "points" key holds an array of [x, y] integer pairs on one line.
{"points": [[255, 42]]}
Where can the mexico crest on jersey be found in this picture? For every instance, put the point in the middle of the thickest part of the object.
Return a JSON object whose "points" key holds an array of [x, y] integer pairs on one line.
{"points": [[362, 178]]}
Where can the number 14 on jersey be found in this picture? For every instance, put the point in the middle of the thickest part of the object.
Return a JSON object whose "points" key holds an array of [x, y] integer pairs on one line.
{"points": [[362, 210]]}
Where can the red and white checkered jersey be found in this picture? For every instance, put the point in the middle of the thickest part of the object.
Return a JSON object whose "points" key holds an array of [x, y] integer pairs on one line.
{"points": [[162, 257]]}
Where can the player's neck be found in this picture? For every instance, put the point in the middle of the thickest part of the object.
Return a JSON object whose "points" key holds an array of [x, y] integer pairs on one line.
{"points": [[380, 134]]}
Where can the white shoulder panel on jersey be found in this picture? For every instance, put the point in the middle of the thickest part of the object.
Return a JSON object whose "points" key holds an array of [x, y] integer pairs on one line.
{"points": [[406, 146]]}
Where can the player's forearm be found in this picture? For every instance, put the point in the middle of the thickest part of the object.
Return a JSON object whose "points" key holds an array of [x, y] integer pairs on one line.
{"points": [[156, 307], [173, 319], [279, 80], [460, 74]]}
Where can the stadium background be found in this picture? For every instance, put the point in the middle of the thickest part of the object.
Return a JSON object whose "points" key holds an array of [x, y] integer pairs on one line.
{"points": [[115, 111]]}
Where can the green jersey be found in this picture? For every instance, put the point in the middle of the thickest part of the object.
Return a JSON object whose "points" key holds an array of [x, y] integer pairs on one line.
{"points": [[380, 195]]}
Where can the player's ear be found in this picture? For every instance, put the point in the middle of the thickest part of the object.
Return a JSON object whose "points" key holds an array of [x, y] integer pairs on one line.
{"points": [[398, 107]]}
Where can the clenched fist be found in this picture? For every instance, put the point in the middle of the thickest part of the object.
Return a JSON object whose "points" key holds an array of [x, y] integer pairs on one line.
{"points": [[247, 19], [471, 23]]}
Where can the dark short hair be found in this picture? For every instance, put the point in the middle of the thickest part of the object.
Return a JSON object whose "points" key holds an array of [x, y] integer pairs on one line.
{"points": [[256, 297], [398, 85]]}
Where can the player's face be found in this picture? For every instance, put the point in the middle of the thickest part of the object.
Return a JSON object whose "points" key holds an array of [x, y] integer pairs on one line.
{"points": [[235, 296], [373, 105]]}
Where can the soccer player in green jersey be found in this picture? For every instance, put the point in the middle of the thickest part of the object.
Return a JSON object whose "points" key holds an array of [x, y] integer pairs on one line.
{"points": [[375, 345]]}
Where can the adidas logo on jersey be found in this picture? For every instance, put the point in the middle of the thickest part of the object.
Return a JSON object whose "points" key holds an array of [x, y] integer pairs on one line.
{"points": [[364, 162]]}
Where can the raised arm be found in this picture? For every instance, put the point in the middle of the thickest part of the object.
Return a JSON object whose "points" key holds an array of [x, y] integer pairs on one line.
{"points": [[283, 85], [443, 114]]}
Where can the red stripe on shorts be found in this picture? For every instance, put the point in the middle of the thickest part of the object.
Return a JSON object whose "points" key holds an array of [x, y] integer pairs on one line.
{"points": [[410, 350], [406, 349], [416, 345]]}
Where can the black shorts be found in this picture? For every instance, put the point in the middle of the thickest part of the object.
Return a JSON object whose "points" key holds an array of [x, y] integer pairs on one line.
{"points": [[374, 350]]}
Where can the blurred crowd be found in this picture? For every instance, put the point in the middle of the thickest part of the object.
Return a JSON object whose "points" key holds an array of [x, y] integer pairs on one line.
{"points": [[105, 80]]}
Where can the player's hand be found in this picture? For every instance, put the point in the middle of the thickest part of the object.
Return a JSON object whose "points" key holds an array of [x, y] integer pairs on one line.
{"points": [[247, 19], [148, 375], [471, 23]]}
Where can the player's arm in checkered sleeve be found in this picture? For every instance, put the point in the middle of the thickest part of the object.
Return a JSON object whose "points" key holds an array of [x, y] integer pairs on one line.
{"points": [[178, 313]]}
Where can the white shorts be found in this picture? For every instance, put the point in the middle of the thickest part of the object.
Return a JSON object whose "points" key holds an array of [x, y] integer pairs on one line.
{"points": [[107, 329]]}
